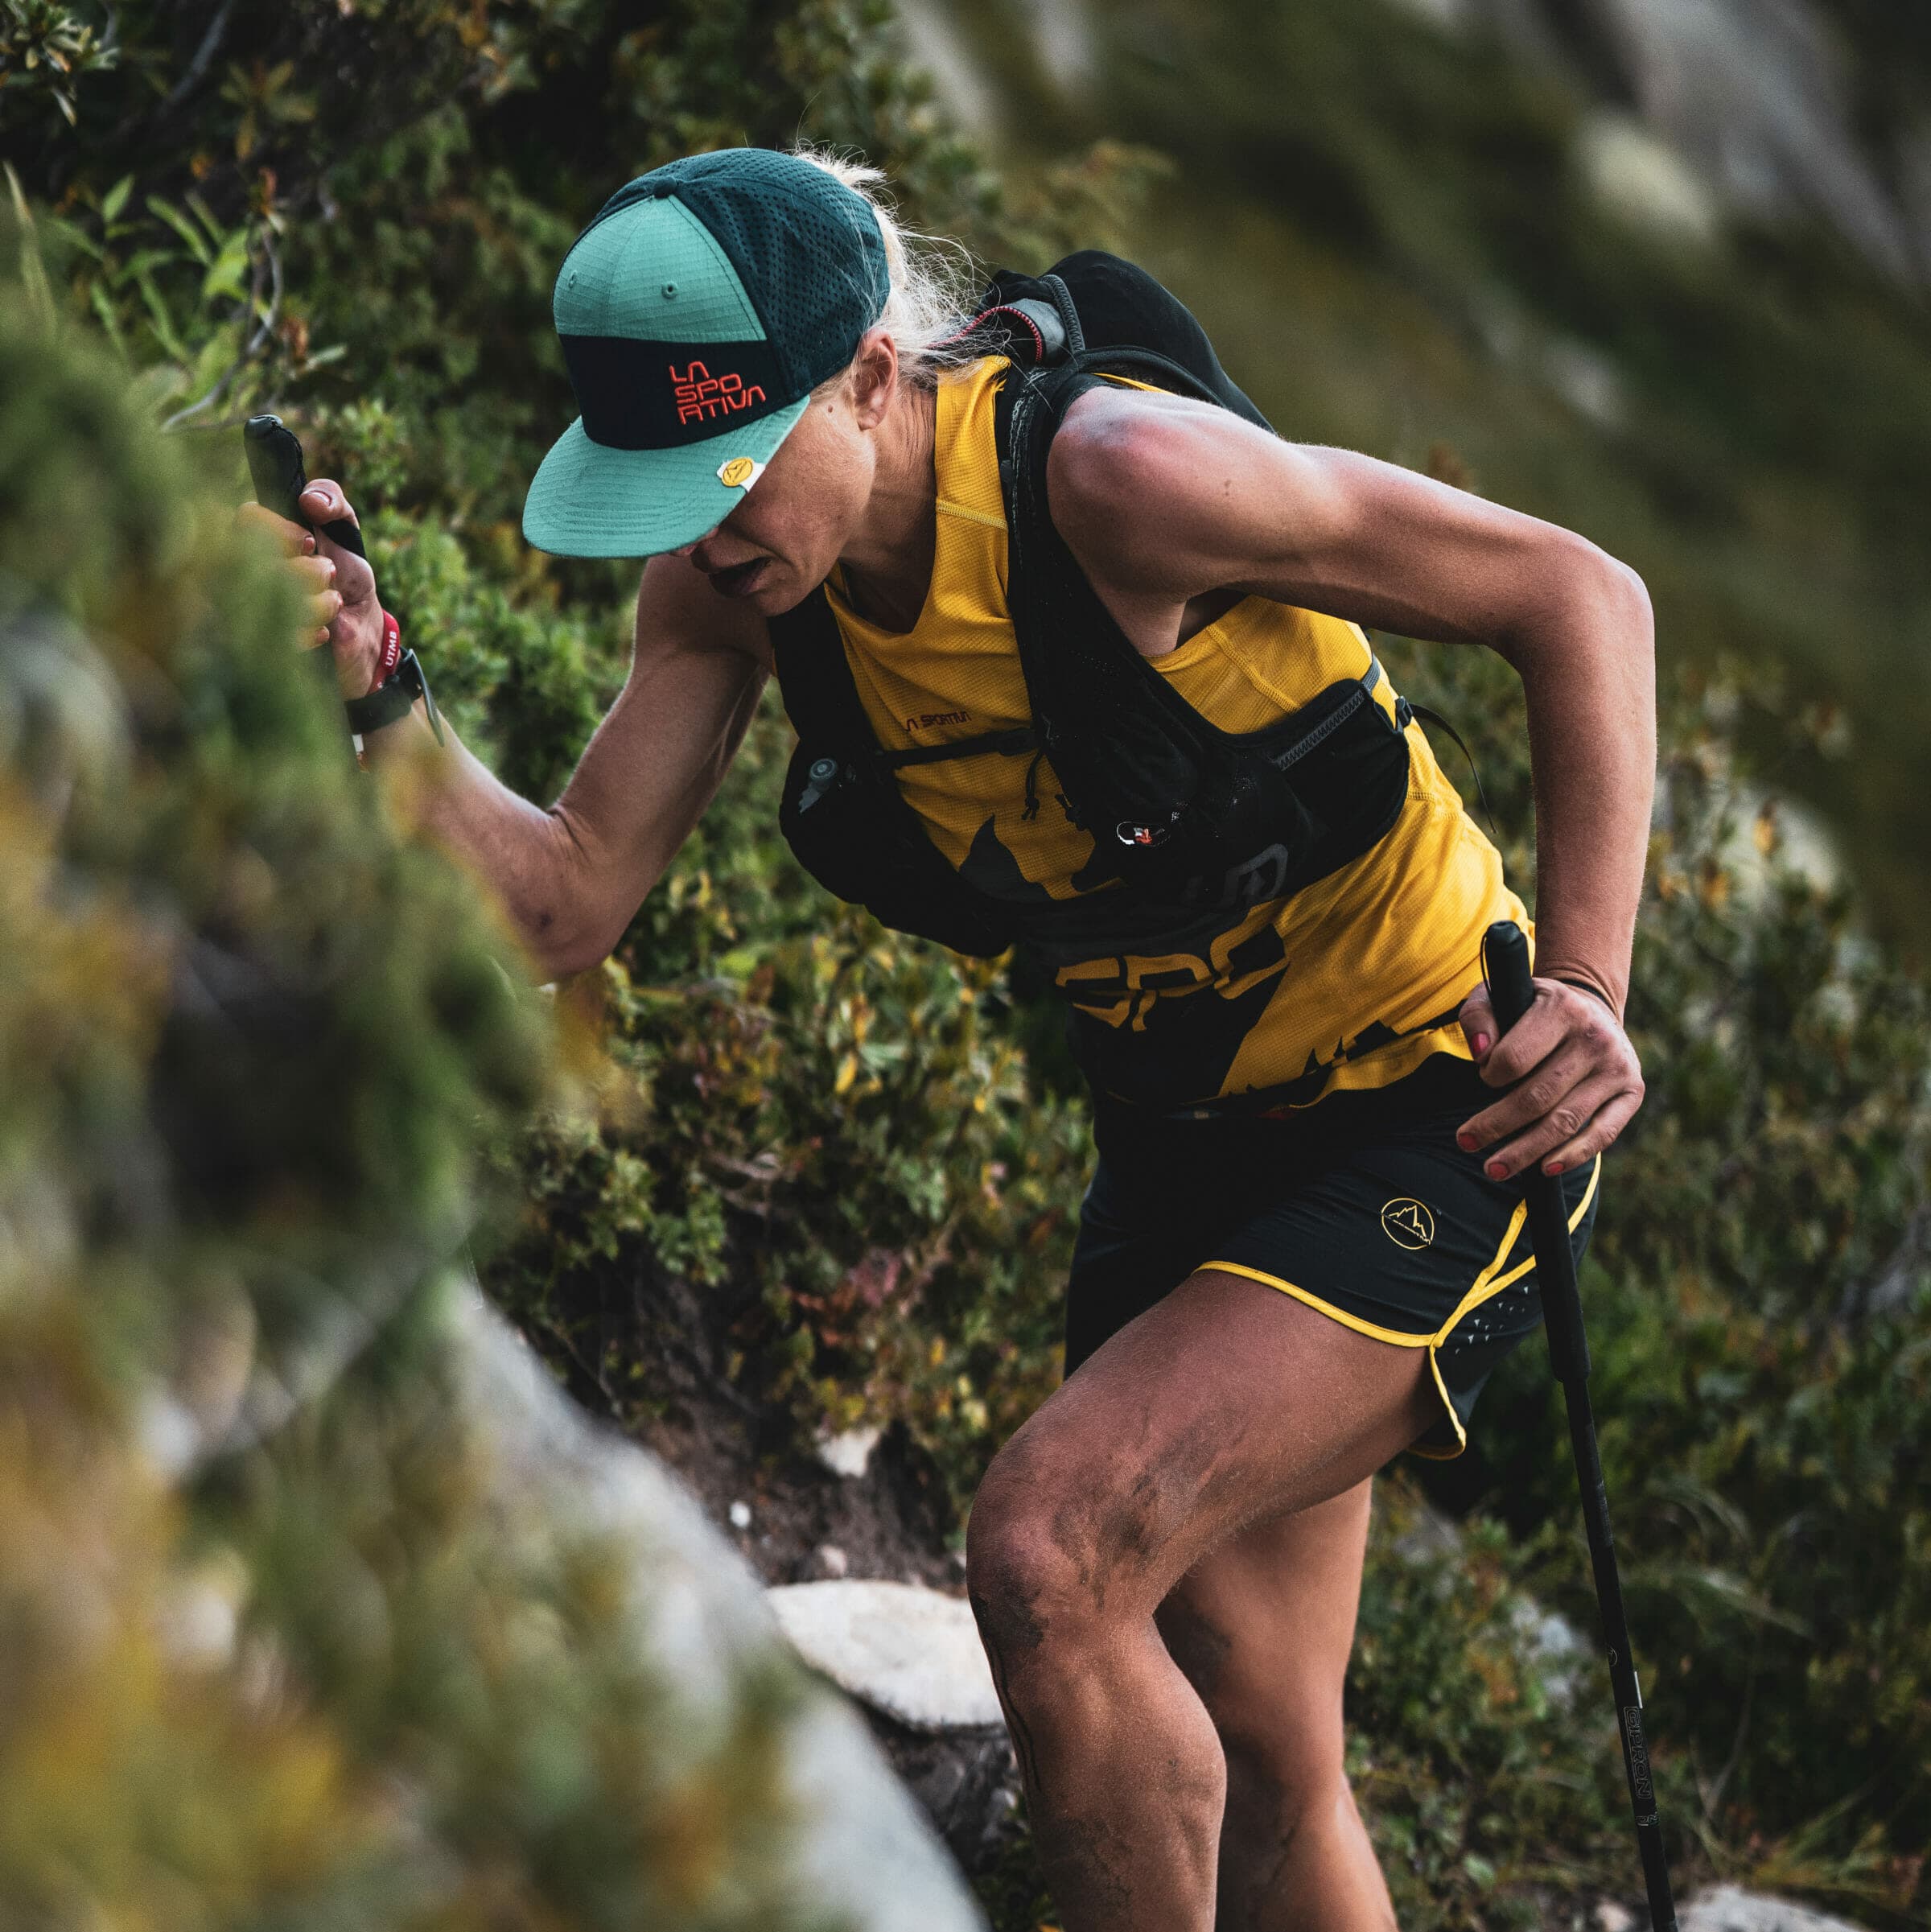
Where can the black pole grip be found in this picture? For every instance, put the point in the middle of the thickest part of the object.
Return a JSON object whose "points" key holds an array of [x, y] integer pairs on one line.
{"points": [[1506, 964], [1512, 992], [275, 468]]}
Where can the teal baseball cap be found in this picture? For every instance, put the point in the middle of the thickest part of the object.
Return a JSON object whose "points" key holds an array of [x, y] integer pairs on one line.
{"points": [[698, 311]]}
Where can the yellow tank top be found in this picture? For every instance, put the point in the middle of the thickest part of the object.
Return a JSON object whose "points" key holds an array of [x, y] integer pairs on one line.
{"points": [[1347, 983]]}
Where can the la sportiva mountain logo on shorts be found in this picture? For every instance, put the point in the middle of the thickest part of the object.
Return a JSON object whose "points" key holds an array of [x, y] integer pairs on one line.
{"points": [[700, 395], [1407, 1223]]}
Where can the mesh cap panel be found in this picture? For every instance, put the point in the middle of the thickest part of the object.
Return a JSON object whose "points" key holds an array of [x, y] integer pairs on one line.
{"points": [[806, 248]]}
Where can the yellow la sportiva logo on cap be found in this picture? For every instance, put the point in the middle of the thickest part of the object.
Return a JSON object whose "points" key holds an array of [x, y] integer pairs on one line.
{"points": [[739, 473]]}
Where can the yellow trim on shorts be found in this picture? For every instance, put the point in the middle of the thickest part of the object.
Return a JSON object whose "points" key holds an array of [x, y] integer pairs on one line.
{"points": [[1486, 1285], [1401, 1339], [1443, 1454]]}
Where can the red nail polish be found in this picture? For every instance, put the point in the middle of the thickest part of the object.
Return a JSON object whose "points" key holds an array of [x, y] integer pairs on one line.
{"points": [[1481, 1045], [1466, 1143], [1496, 1170]]}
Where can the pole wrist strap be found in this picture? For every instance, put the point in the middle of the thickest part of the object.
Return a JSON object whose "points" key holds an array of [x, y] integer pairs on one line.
{"points": [[1583, 986], [396, 695]]}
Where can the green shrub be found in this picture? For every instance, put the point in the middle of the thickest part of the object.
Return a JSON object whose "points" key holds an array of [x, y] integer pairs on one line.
{"points": [[277, 1649], [849, 1102]]}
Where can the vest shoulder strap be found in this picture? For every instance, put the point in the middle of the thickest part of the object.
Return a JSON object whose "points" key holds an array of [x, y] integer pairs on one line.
{"points": [[814, 680]]}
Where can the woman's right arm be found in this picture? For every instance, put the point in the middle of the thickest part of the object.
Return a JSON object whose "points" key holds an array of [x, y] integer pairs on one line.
{"points": [[572, 876]]}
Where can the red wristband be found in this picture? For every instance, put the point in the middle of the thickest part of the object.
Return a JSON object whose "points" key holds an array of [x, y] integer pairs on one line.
{"points": [[392, 651]]}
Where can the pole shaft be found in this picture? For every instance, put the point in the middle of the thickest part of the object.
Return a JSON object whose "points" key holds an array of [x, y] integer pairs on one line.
{"points": [[1512, 992], [1622, 1665]]}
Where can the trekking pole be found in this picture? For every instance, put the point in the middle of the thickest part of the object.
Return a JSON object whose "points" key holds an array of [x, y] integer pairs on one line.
{"points": [[1511, 992], [276, 469]]}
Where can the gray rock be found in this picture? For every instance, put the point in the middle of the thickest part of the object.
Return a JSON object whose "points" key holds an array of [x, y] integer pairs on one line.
{"points": [[867, 1857], [912, 1652], [849, 1453], [1901, 1280], [1430, 1537], [1728, 1908], [1640, 177], [1550, 1644], [1754, 94], [939, 44], [968, 1782], [1555, 1649]]}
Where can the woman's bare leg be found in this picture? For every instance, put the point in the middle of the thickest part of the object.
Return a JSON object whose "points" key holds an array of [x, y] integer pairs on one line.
{"points": [[1262, 1628], [1225, 1405]]}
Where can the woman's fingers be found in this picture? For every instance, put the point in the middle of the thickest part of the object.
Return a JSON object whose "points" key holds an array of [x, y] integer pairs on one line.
{"points": [[341, 587], [1555, 1015], [327, 605], [1477, 1018], [291, 536], [1577, 1122], [1609, 1121], [1547, 1090], [317, 575], [1578, 1082], [324, 503]]}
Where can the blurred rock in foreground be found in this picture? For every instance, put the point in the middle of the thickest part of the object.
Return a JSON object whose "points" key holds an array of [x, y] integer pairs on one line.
{"points": [[865, 1853]]}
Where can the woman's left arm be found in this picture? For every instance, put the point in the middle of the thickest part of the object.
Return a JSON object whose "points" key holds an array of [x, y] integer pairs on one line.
{"points": [[1164, 501]]}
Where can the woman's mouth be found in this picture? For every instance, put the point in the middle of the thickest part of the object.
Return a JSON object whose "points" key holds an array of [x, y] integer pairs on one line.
{"points": [[740, 579]]}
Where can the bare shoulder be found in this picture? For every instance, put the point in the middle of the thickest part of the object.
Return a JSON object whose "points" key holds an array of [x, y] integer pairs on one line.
{"points": [[1163, 498], [1113, 441], [679, 614], [1145, 487]]}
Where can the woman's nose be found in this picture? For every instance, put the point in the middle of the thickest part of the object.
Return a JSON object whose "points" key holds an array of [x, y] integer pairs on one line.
{"points": [[684, 550]]}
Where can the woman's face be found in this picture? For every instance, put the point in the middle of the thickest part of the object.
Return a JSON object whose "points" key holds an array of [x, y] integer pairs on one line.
{"points": [[779, 545]]}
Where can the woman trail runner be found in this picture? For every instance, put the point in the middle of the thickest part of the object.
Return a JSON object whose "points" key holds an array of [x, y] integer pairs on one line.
{"points": [[1303, 1249]]}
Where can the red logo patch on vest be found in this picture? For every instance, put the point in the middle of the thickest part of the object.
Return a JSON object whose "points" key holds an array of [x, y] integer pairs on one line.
{"points": [[700, 394]]}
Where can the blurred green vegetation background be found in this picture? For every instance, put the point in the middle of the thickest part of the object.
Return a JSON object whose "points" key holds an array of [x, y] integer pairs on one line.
{"points": [[1472, 250]]}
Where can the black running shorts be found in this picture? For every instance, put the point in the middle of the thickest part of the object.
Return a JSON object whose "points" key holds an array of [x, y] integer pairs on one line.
{"points": [[1362, 1206]]}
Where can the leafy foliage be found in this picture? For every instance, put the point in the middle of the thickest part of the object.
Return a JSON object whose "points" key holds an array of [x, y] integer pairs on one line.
{"points": [[44, 51], [852, 1104], [278, 1647]]}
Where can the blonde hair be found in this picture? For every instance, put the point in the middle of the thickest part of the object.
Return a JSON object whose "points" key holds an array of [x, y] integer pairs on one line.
{"points": [[934, 282]]}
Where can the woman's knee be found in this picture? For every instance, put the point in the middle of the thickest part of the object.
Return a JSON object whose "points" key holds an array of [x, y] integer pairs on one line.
{"points": [[1023, 1584], [1038, 1567]]}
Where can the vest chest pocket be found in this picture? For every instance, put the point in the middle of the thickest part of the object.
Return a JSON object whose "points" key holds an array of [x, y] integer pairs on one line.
{"points": [[849, 827], [1294, 802]]}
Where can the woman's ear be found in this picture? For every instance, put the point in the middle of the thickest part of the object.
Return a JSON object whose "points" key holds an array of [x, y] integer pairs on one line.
{"points": [[875, 377]]}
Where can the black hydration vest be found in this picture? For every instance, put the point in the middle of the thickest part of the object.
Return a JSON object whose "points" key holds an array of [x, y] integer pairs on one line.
{"points": [[1183, 815]]}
